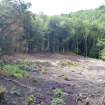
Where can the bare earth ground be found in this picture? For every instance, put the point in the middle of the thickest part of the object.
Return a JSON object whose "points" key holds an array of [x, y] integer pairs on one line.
{"points": [[85, 77]]}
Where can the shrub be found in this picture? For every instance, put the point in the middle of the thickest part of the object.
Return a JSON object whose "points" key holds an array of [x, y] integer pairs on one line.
{"points": [[59, 93], [1, 65], [68, 64], [102, 54], [57, 101], [14, 70], [94, 52], [30, 100]]}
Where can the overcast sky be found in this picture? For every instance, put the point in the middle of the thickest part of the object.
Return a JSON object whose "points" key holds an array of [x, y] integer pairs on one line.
{"points": [[53, 7]]}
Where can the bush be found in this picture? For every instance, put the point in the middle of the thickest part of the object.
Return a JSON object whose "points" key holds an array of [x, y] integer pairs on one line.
{"points": [[14, 70], [59, 93], [102, 54], [77, 51], [68, 64], [94, 52], [30, 100], [58, 97], [57, 101]]}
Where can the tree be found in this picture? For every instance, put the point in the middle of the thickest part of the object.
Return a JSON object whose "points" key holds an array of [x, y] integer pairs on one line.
{"points": [[81, 32]]}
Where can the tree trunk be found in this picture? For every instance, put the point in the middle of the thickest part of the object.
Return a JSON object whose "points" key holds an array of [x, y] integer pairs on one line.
{"points": [[86, 46]]}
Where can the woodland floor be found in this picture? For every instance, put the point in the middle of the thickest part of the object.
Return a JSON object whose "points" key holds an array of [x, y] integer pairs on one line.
{"points": [[78, 76]]}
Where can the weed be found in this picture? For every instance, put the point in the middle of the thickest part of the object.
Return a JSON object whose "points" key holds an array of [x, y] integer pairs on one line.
{"points": [[58, 97], [68, 64], [58, 93], [57, 101], [15, 71], [31, 100]]}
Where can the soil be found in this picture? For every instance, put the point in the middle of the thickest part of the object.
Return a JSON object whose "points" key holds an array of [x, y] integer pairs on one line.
{"points": [[80, 78]]}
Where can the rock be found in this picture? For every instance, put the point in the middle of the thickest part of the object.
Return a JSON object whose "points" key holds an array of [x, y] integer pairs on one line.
{"points": [[30, 69]]}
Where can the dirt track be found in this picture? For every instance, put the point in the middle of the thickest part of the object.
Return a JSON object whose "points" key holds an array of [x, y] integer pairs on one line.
{"points": [[75, 74]]}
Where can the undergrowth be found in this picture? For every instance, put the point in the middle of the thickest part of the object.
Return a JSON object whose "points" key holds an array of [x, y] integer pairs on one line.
{"points": [[15, 71], [58, 97]]}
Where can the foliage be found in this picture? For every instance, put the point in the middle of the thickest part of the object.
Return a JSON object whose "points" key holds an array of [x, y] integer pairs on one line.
{"points": [[58, 93], [30, 100], [58, 97], [57, 101], [68, 64], [14, 70], [103, 54], [21, 30], [94, 52]]}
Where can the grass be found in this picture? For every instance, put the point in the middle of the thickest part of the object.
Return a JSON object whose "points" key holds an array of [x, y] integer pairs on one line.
{"points": [[57, 101], [23, 64], [15, 71], [69, 64], [58, 93], [35, 64], [31, 100], [58, 97], [19, 70], [43, 63]]}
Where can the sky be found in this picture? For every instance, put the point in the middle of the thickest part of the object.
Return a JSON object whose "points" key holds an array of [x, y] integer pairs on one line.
{"points": [[56, 7]]}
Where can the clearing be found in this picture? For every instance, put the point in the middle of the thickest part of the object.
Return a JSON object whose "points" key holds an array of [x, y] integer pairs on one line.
{"points": [[76, 75]]}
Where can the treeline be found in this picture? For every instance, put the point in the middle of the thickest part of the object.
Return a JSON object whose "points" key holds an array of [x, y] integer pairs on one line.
{"points": [[82, 32]]}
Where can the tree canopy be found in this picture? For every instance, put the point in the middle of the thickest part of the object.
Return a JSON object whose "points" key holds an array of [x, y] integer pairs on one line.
{"points": [[82, 32]]}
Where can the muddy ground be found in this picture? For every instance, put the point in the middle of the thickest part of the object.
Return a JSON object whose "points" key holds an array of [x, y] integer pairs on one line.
{"points": [[76, 75]]}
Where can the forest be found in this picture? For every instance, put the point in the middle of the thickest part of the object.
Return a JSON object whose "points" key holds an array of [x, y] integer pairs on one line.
{"points": [[51, 59], [80, 32]]}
